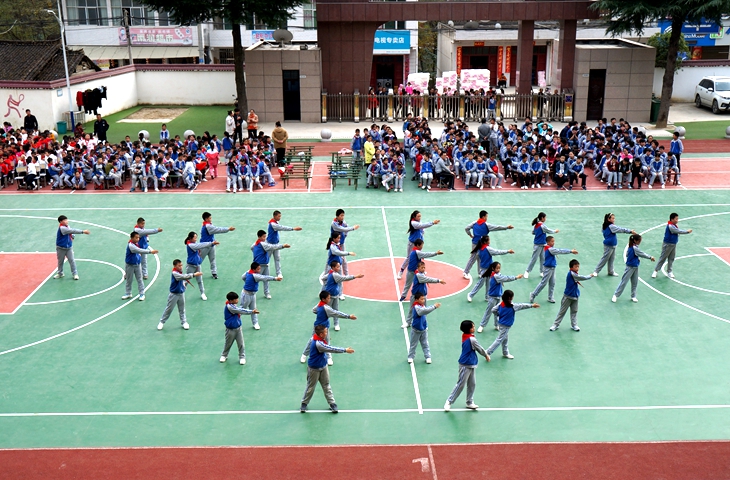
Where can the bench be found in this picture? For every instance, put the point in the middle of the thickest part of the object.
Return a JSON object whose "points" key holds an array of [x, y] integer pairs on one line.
{"points": [[296, 170], [344, 168]]}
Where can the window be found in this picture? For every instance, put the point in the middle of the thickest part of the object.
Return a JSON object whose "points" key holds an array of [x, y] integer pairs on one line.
{"points": [[163, 19], [309, 11], [87, 12], [139, 14], [225, 55], [222, 24]]}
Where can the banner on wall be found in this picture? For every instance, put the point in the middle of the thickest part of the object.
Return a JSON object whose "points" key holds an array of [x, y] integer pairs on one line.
{"points": [[419, 81], [265, 35], [475, 79], [458, 60], [508, 60], [157, 36], [447, 83], [500, 59], [392, 42]]}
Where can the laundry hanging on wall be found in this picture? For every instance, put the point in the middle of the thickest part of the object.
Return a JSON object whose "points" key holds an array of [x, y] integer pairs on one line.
{"points": [[90, 100]]}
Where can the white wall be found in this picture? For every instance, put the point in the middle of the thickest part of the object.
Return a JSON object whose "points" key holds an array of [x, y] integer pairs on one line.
{"points": [[38, 101], [185, 88], [685, 81]]}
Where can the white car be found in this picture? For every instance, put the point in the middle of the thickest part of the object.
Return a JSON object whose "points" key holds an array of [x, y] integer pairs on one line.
{"points": [[713, 92]]}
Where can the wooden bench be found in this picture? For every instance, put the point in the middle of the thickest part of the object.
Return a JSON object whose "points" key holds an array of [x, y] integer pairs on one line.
{"points": [[344, 168], [297, 170]]}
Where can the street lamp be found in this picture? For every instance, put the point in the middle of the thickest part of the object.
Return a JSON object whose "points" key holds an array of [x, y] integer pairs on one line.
{"points": [[65, 62]]}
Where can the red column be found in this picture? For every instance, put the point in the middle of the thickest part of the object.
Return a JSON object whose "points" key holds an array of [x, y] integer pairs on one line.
{"points": [[566, 55], [525, 39]]}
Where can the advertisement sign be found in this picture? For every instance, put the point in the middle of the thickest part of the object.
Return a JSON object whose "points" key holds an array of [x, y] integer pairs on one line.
{"points": [[392, 42], [473, 79], [704, 34], [265, 35], [157, 36]]}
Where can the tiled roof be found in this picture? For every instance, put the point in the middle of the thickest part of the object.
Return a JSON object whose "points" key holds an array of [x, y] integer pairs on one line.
{"points": [[39, 61]]}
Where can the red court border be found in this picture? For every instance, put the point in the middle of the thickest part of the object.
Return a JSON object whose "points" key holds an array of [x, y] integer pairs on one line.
{"points": [[19, 287]]}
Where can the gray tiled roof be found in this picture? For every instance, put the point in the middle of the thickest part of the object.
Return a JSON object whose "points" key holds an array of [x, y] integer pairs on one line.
{"points": [[39, 61]]}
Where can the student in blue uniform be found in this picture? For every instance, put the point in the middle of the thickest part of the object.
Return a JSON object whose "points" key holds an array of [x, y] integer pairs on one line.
{"points": [[551, 262], [232, 314], [494, 291], [64, 246], [420, 285], [144, 241], [193, 247], [317, 370], [633, 255], [251, 281], [570, 296], [273, 237], [485, 254], [540, 231], [340, 226], [468, 362], [419, 327], [669, 246], [261, 253], [414, 258], [415, 231], [132, 268], [506, 313], [476, 230], [323, 312], [333, 285], [207, 234], [178, 279], [334, 253], [610, 241]]}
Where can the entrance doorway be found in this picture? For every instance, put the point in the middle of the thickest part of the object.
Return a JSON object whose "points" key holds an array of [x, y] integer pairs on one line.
{"points": [[596, 92], [292, 105]]}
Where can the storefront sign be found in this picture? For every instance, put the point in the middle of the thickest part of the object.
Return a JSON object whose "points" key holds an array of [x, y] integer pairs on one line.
{"points": [[703, 34], [392, 42], [157, 36], [265, 35], [478, 44]]}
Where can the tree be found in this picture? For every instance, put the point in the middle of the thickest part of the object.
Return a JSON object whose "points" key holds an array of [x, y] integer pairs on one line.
{"points": [[631, 16], [27, 21], [238, 12], [427, 47], [660, 41]]}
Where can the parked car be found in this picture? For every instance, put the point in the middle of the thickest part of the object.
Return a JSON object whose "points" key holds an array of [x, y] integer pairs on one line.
{"points": [[713, 92]]}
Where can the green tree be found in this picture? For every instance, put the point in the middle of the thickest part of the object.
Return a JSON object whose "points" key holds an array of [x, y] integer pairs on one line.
{"points": [[631, 16], [27, 21], [427, 47], [238, 12], [660, 41]]}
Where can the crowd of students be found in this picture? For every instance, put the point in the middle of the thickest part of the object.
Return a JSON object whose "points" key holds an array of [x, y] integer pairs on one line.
{"points": [[529, 156]]}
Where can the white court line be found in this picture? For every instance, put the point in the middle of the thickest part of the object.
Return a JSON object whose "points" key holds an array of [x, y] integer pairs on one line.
{"points": [[402, 315], [433, 464], [664, 271], [717, 256], [157, 273], [89, 295], [376, 411], [350, 262]]}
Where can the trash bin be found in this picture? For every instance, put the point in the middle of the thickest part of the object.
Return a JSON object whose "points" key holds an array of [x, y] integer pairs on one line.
{"points": [[655, 104], [61, 127]]}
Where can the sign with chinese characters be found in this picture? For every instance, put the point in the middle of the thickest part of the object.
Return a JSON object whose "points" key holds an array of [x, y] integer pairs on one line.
{"points": [[265, 35], [392, 42], [157, 36], [500, 59], [706, 33], [473, 79], [458, 60]]}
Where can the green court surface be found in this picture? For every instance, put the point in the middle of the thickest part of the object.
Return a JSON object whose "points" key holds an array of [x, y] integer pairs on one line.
{"points": [[655, 370]]}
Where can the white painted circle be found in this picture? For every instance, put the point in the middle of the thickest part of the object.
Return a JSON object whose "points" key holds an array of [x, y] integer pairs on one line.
{"points": [[91, 294]]}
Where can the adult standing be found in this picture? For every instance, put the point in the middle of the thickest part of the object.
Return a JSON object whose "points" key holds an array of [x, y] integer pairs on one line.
{"points": [[279, 136], [238, 123], [484, 133], [231, 125], [252, 124], [30, 123], [100, 128]]}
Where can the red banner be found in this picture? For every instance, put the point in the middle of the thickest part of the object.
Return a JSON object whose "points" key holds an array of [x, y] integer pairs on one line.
{"points": [[500, 59], [508, 60], [458, 60]]}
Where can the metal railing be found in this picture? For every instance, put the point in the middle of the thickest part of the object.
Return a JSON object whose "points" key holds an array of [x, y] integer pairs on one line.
{"points": [[355, 107]]}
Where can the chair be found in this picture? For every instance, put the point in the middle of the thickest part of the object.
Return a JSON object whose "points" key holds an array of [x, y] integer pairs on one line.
{"points": [[20, 172]]}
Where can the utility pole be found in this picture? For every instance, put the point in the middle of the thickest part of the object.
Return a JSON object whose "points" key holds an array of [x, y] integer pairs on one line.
{"points": [[125, 20]]}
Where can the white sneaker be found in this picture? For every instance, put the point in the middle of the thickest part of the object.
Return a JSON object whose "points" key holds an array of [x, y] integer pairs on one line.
{"points": [[141, 298], [303, 359], [472, 406], [337, 328], [242, 361], [614, 274], [157, 189], [538, 186], [428, 360], [575, 329], [447, 406], [126, 297], [466, 275], [613, 299], [468, 298], [480, 329], [58, 275], [514, 183], [330, 362], [553, 328], [160, 326], [223, 360], [410, 360], [526, 275], [76, 277], [321, 280], [650, 186], [634, 299], [653, 274], [496, 328], [670, 275], [257, 327], [662, 186], [400, 275], [267, 296], [186, 326], [203, 296], [508, 356], [385, 184], [542, 274], [342, 298], [499, 186], [228, 190]]}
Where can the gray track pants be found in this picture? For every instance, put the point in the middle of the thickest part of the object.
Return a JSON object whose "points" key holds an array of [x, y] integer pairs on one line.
{"points": [[409, 281], [210, 253], [548, 278], [419, 336], [468, 377], [669, 250], [502, 339], [631, 273], [405, 260], [231, 335], [190, 268], [66, 253], [493, 301], [565, 303], [609, 254], [472, 260], [479, 284], [130, 272], [538, 252], [321, 375], [172, 300], [249, 301]]}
